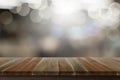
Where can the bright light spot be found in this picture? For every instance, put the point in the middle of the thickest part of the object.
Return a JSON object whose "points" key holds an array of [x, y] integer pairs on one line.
{"points": [[38, 4], [76, 33], [24, 10], [49, 44], [84, 32], [9, 4], [64, 7], [34, 16], [45, 13], [16, 10]]}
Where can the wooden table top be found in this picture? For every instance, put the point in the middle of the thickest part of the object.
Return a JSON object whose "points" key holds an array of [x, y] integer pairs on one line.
{"points": [[59, 66]]}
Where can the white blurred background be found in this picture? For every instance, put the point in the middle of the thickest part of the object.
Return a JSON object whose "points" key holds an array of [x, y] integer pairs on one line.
{"points": [[60, 28]]}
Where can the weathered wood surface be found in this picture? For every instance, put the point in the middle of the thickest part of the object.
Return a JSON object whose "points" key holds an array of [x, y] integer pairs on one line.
{"points": [[60, 66]]}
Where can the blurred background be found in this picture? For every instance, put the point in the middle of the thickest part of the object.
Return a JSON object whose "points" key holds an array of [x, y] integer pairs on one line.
{"points": [[60, 28]]}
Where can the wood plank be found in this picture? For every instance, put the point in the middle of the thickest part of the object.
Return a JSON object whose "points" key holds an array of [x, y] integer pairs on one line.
{"points": [[103, 68], [15, 68], [47, 66], [28, 68], [88, 66], [95, 68], [114, 65], [77, 66], [9, 64], [65, 68], [19, 65], [5, 60]]}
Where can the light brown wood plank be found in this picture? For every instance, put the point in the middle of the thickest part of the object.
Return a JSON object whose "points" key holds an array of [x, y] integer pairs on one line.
{"points": [[47, 66], [77, 66], [10, 63], [65, 68], [89, 66], [28, 68], [15, 68], [5, 60], [96, 68], [99, 65], [114, 65], [19, 65]]}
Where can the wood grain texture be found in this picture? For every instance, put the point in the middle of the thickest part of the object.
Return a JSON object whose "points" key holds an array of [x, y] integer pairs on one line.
{"points": [[47, 66], [59, 66]]}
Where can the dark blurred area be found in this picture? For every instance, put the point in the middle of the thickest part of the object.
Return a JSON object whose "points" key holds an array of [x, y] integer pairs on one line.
{"points": [[24, 33]]}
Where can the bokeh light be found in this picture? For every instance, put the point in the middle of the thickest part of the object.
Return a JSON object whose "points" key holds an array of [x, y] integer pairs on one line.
{"points": [[24, 10], [6, 18], [59, 28]]}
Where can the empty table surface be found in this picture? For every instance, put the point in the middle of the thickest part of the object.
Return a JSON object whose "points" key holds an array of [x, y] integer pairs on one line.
{"points": [[59, 66]]}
